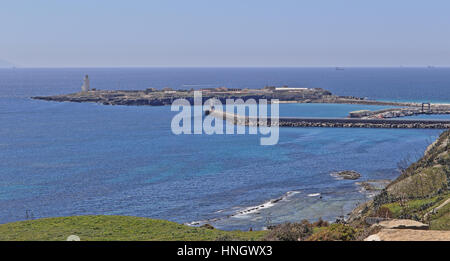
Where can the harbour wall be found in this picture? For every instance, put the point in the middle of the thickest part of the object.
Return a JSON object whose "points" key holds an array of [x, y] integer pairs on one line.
{"points": [[332, 122]]}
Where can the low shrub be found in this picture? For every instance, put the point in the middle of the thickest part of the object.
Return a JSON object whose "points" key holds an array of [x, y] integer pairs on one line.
{"points": [[290, 231], [335, 232], [384, 212], [320, 223], [207, 226]]}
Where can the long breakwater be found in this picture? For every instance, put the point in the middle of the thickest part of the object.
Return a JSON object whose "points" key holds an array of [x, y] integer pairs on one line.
{"points": [[331, 122]]}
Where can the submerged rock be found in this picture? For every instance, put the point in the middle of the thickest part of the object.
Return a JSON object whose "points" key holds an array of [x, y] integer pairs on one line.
{"points": [[348, 174], [373, 185], [366, 186]]}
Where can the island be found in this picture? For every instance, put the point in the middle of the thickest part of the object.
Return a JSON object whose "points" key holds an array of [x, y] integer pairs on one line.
{"points": [[284, 94], [165, 96]]}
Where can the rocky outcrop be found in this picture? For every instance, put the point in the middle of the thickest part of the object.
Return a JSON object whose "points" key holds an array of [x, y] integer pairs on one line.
{"points": [[348, 174], [373, 185], [420, 193]]}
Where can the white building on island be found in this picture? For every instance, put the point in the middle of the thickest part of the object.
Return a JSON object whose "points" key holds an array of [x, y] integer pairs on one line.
{"points": [[290, 89], [85, 87]]}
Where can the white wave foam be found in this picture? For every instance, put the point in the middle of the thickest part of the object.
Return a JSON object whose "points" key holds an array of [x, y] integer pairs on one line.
{"points": [[265, 205], [248, 210], [336, 176]]}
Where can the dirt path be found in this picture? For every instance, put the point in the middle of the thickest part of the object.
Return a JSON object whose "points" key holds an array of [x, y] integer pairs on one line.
{"points": [[437, 208], [409, 235]]}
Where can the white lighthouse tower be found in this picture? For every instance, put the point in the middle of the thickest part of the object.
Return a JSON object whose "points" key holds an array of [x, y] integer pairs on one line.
{"points": [[85, 87]]}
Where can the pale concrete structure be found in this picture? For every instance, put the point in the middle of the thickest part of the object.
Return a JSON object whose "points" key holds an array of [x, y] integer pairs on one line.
{"points": [[85, 87], [290, 89]]}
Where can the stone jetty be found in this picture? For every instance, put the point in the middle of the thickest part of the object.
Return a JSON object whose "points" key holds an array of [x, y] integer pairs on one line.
{"points": [[331, 122], [412, 110]]}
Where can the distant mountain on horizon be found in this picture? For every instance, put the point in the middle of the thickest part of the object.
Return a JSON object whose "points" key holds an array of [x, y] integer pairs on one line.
{"points": [[6, 64]]}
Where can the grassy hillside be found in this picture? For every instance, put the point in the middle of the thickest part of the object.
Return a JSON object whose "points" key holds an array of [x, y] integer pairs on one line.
{"points": [[115, 228], [422, 192]]}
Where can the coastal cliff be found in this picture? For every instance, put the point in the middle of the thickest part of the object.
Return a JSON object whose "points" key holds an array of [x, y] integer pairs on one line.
{"points": [[414, 207], [421, 192]]}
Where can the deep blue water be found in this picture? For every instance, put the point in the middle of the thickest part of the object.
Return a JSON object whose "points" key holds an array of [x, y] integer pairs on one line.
{"points": [[59, 159]]}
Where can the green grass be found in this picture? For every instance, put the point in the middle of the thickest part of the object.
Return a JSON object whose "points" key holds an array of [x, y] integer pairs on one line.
{"points": [[417, 206], [107, 228], [423, 184], [441, 220]]}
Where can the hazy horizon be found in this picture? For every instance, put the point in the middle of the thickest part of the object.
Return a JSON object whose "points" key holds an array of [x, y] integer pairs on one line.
{"points": [[200, 33], [13, 66]]}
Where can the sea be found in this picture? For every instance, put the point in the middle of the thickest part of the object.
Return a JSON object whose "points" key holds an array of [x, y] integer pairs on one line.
{"points": [[63, 159]]}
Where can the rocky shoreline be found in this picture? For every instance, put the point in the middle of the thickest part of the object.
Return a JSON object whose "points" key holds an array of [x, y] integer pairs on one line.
{"points": [[413, 124], [420, 193]]}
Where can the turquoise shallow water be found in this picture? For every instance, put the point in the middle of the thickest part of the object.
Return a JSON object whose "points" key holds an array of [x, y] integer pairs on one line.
{"points": [[60, 159]]}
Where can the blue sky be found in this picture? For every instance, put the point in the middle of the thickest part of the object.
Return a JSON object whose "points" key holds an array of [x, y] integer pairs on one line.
{"points": [[201, 33]]}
